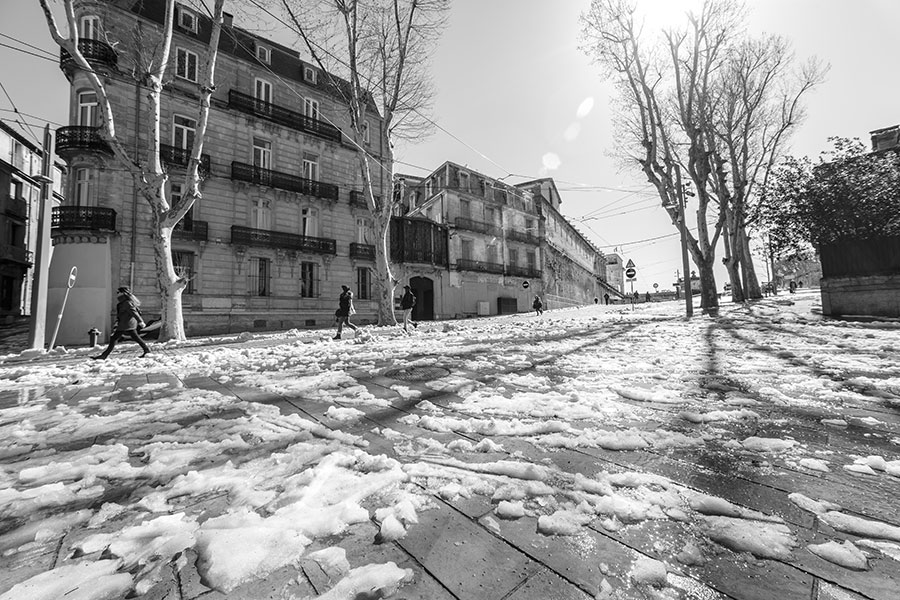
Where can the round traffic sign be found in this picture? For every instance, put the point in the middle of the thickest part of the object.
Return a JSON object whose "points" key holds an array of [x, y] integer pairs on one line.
{"points": [[525, 284], [655, 285], [630, 272]]}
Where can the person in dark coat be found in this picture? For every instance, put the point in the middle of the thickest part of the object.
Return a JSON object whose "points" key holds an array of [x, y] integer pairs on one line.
{"points": [[128, 322], [538, 306], [407, 302], [344, 311], [606, 298]]}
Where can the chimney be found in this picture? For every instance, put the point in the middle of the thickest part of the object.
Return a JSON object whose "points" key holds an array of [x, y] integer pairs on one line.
{"points": [[227, 19]]}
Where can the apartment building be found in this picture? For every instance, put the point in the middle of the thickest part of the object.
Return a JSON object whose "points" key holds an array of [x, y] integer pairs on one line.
{"points": [[281, 224], [20, 194], [503, 245]]}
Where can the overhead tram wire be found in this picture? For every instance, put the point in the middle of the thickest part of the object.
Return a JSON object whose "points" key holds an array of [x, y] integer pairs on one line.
{"points": [[21, 121]]}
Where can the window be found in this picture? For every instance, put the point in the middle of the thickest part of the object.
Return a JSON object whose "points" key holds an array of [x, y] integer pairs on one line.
{"points": [[309, 222], [492, 253], [175, 193], [258, 277], [428, 189], [186, 64], [311, 108], [183, 132], [513, 257], [261, 214], [187, 19], [531, 260], [309, 280], [85, 188], [309, 74], [310, 167], [363, 230], [264, 54], [262, 153], [529, 226], [88, 109], [90, 27], [16, 187], [489, 215], [363, 283], [263, 93], [463, 181], [465, 209], [184, 268], [365, 133], [466, 249]]}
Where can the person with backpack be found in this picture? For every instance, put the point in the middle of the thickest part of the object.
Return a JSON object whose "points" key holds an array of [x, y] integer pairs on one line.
{"points": [[538, 306], [407, 302], [344, 311], [128, 322]]}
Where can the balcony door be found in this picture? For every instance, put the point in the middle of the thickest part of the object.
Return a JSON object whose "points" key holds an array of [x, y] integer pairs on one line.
{"points": [[261, 215], [183, 129], [90, 27], [262, 92], [309, 222], [88, 109]]}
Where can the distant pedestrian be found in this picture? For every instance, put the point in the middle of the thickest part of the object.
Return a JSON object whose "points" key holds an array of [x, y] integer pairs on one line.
{"points": [[596, 300], [128, 322], [407, 302], [538, 306], [606, 299], [792, 286], [345, 311], [647, 297]]}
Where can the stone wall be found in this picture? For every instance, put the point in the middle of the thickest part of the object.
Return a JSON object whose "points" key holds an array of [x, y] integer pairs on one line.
{"points": [[871, 296]]}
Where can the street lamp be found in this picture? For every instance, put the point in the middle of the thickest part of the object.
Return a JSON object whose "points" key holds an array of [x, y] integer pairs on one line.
{"points": [[683, 190]]}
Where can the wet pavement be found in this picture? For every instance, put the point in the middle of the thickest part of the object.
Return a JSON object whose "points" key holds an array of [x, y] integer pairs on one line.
{"points": [[460, 549]]}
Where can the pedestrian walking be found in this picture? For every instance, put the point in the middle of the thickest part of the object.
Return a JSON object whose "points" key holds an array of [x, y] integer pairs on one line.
{"points": [[128, 322], [647, 297], [538, 306], [407, 302], [606, 298], [345, 311]]}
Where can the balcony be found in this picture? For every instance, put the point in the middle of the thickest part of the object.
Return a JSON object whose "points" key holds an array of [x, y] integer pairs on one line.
{"points": [[91, 218], [16, 254], [522, 236], [358, 198], [15, 207], [179, 157], [283, 116], [362, 251], [191, 230], [465, 264], [478, 226], [415, 240], [263, 238], [283, 181], [526, 272], [94, 51], [75, 138]]}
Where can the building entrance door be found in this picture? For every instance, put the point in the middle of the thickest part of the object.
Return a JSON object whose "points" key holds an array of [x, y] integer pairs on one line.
{"points": [[423, 288]]}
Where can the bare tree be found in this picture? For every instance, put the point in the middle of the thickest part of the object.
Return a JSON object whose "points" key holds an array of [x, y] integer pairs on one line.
{"points": [[380, 50], [149, 71], [705, 106]]}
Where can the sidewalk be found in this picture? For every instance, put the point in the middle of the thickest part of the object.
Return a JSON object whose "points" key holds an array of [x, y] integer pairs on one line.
{"points": [[624, 438]]}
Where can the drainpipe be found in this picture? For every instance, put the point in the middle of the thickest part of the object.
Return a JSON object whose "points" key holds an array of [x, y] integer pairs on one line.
{"points": [[134, 191]]}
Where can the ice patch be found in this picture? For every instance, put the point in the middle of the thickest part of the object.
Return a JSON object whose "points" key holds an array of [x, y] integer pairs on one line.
{"points": [[763, 540], [845, 555], [82, 581]]}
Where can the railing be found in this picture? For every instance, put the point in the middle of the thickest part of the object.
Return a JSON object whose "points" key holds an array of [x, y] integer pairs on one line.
{"points": [[197, 231], [94, 51], [478, 226], [247, 236], [522, 236], [16, 207], [12, 253], [358, 198], [517, 271], [465, 264], [92, 218], [284, 181], [418, 241], [283, 116], [180, 157], [80, 137], [363, 251]]}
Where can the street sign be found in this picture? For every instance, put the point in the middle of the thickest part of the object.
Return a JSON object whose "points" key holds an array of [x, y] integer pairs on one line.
{"points": [[630, 264], [525, 284], [655, 285], [630, 272]]}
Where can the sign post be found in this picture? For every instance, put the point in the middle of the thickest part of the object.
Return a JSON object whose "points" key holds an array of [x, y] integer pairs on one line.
{"points": [[73, 274], [631, 274]]}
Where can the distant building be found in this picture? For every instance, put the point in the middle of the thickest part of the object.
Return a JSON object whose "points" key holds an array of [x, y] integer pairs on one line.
{"points": [[20, 166], [282, 223], [615, 272]]}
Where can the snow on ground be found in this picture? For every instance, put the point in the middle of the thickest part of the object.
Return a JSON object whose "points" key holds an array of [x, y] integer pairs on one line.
{"points": [[129, 478]]}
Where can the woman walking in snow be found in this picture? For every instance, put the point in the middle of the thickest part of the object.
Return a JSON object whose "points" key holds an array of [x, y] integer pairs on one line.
{"points": [[128, 322], [538, 306], [344, 311], [407, 302]]}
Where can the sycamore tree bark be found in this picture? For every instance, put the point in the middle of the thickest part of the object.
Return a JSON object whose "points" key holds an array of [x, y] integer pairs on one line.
{"points": [[379, 49], [151, 60]]}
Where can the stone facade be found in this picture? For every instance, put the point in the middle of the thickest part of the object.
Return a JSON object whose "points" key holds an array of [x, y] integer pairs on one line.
{"points": [[276, 232]]}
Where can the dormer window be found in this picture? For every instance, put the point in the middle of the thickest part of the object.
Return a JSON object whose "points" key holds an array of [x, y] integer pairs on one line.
{"points": [[264, 54], [187, 19], [309, 74]]}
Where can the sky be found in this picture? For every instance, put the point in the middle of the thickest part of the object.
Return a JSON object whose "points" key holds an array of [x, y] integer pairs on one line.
{"points": [[516, 95], [691, 442]]}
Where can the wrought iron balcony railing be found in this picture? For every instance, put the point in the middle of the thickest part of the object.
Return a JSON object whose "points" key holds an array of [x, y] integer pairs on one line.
{"points": [[247, 236], [179, 157], [358, 198], [95, 51], [522, 236], [80, 137], [283, 116], [15, 207], [363, 251], [284, 181], [478, 226], [465, 264], [93, 218], [193, 230], [16, 254], [518, 271]]}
